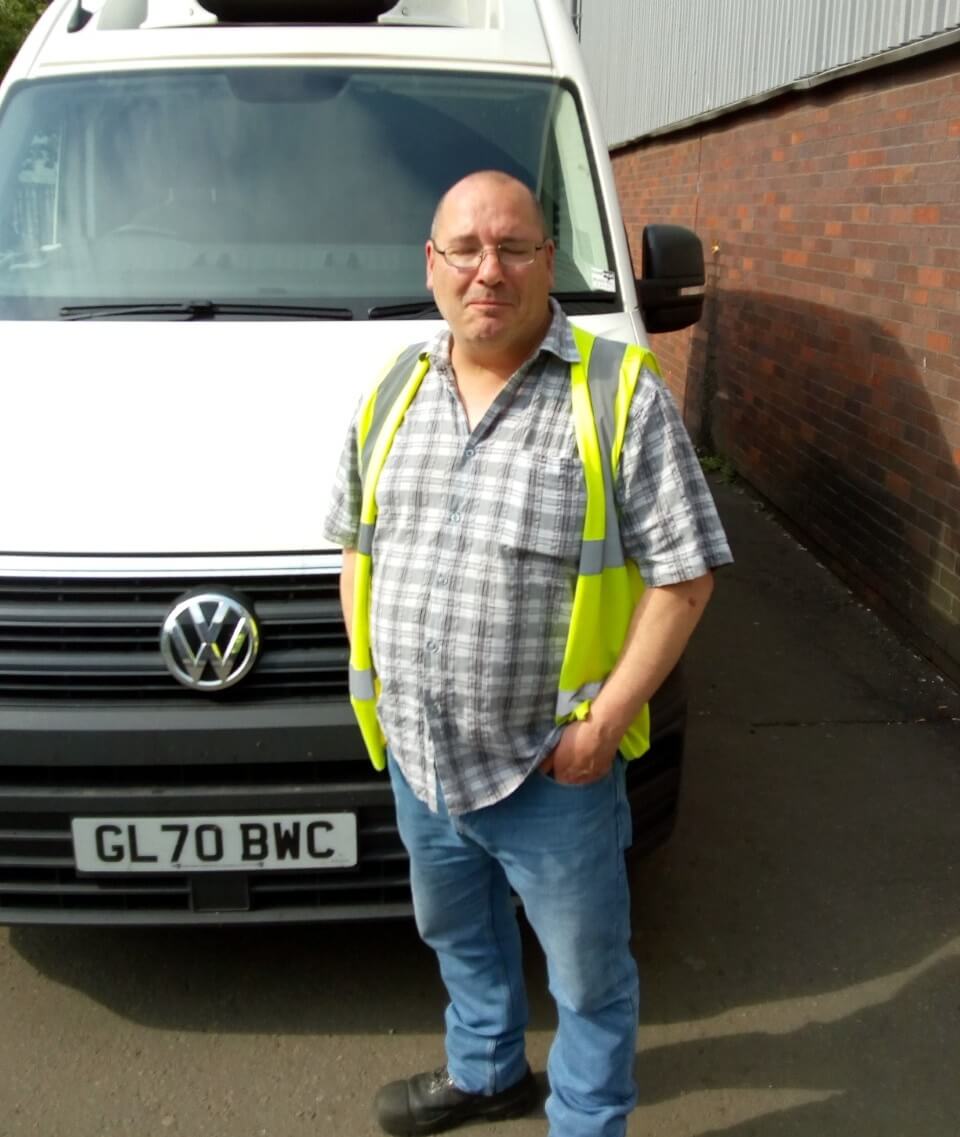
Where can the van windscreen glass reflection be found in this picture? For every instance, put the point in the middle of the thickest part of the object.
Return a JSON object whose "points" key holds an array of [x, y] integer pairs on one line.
{"points": [[260, 191]]}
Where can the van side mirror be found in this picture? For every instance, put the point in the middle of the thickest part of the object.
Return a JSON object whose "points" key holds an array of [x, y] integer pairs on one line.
{"points": [[672, 262]]}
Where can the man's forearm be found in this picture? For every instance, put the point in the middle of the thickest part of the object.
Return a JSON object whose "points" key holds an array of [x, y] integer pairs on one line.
{"points": [[346, 588], [662, 624]]}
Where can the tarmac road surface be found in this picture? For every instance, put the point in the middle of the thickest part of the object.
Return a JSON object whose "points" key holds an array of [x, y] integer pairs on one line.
{"points": [[799, 937]]}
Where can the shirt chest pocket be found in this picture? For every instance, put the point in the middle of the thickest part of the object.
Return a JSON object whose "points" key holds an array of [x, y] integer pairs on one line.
{"points": [[543, 507]]}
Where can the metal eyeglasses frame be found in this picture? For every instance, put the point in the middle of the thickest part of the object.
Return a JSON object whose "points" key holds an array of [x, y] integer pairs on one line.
{"points": [[506, 257]]}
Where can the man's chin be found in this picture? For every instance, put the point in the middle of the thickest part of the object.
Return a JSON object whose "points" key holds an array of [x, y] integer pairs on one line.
{"points": [[487, 328]]}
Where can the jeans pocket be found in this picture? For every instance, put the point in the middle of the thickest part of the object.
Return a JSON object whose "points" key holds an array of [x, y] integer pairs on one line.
{"points": [[576, 787]]}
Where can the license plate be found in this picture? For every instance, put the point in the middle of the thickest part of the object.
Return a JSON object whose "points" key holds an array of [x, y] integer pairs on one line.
{"points": [[215, 844]]}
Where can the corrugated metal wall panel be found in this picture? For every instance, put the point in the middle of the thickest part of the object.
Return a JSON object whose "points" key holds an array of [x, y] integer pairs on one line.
{"points": [[658, 62]]}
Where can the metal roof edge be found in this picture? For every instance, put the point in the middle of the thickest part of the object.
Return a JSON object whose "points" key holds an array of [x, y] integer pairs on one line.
{"points": [[870, 63]]}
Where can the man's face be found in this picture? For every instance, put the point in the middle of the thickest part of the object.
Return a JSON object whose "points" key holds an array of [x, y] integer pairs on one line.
{"points": [[495, 307]]}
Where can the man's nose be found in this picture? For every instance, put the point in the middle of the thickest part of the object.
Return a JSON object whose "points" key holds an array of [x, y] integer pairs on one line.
{"points": [[490, 270]]}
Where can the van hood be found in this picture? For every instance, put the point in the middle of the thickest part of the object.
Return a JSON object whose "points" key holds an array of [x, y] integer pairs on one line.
{"points": [[179, 438], [200, 437]]}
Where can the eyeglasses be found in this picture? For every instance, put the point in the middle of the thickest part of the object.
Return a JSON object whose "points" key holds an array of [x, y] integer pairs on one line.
{"points": [[511, 254]]}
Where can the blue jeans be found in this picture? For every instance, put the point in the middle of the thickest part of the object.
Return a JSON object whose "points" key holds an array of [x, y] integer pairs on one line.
{"points": [[561, 848]]}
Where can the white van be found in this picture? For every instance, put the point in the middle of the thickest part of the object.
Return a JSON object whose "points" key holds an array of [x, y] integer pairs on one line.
{"points": [[211, 240]]}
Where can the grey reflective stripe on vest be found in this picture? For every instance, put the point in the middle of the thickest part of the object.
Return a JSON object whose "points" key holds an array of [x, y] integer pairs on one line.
{"points": [[388, 392], [603, 377], [365, 539], [361, 684], [568, 701], [591, 557]]}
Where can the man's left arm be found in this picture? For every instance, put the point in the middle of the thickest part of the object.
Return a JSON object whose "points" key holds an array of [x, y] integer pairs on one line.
{"points": [[670, 529], [662, 623]]}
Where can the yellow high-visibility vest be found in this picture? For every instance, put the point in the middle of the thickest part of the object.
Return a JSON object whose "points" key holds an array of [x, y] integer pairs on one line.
{"points": [[608, 586]]}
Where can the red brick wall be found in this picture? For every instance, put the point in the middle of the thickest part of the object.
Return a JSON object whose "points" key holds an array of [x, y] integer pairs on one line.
{"points": [[827, 364]]}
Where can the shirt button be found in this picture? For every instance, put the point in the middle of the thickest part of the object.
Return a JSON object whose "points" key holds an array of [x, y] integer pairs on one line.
{"points": [[442, 578], [469, 451], [454, 516], [433, 646]]}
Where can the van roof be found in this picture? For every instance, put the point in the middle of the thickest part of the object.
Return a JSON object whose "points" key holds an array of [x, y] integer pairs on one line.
{"points": [[504, 35]]}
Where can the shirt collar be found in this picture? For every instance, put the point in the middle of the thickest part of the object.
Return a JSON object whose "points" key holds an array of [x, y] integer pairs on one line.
{"points": [[558, 340]]}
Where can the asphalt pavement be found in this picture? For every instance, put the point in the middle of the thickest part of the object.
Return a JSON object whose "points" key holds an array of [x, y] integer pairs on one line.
{"points": [[800, 935], [798, 938]]}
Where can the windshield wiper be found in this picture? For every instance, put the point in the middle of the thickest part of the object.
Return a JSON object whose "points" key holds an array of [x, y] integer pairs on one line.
{"points": [[416, 309], [585, 297], [203, 310]]}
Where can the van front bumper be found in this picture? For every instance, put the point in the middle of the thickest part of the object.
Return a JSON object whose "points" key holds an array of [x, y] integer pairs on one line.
{"points": [[62, 762]]}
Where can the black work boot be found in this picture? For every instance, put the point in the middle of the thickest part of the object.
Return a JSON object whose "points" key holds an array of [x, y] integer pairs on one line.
{"points": [[430, 1103]]}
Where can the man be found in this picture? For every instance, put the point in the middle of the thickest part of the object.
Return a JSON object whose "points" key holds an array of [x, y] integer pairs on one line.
{"points": [[479, 523]]}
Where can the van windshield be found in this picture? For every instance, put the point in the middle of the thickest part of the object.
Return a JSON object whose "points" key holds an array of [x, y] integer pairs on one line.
{"points": [[258, 190]]}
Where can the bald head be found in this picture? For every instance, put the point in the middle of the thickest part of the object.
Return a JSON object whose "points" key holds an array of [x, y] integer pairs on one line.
{"points": [[497, 304], [494, 182]]}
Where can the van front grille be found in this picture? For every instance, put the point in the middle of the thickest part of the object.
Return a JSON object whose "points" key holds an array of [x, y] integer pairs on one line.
{"points": [[95, 639]]}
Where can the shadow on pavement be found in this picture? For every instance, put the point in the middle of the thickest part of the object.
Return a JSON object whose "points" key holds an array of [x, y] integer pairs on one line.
{"points": [[366, 978], [800, 936]]}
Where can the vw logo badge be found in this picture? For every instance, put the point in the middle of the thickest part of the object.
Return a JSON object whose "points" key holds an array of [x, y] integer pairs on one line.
{"points": [[209, 640]]}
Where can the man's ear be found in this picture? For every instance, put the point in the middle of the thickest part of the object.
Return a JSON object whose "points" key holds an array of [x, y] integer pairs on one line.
{"points": [[550, 252], [430, 254]]}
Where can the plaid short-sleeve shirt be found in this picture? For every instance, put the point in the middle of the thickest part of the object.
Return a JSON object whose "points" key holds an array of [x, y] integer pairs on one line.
{"points": [[476, 551]]}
